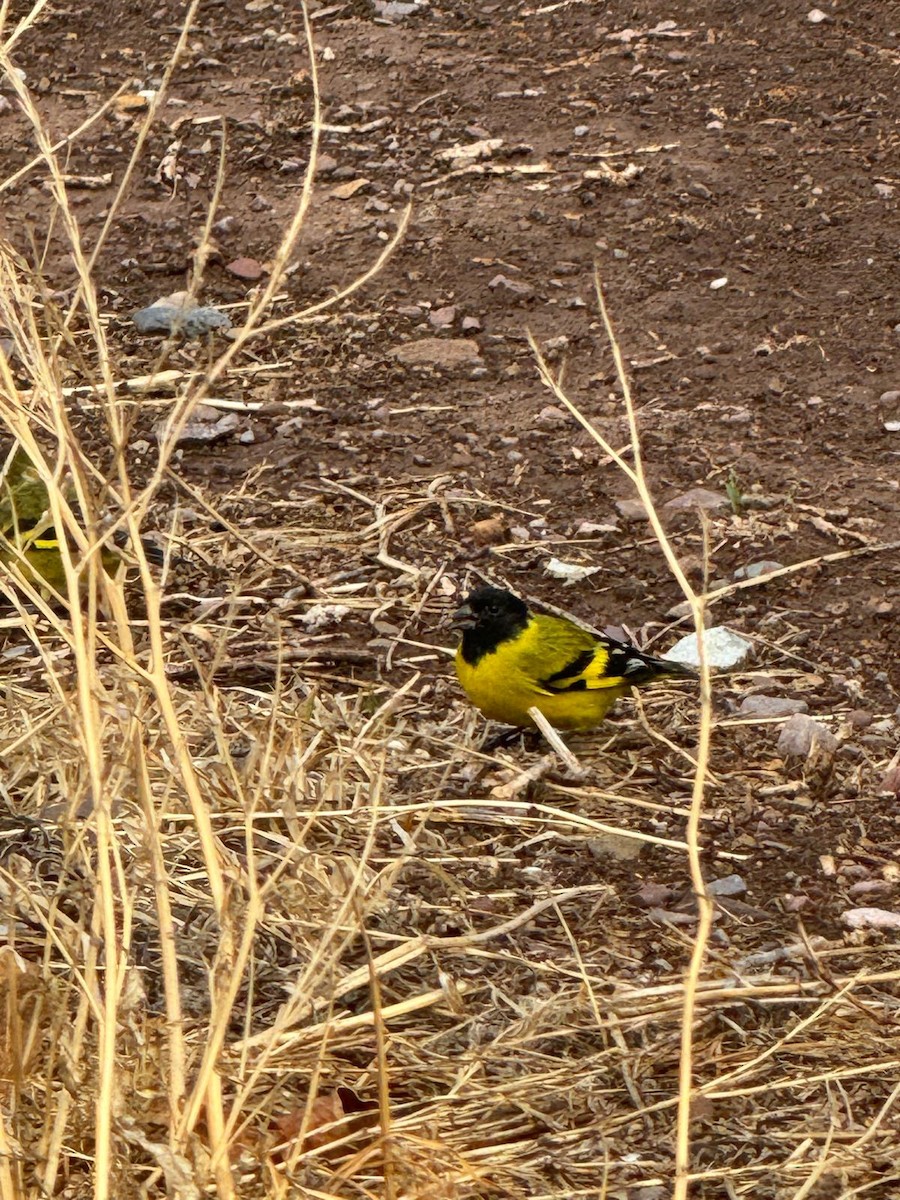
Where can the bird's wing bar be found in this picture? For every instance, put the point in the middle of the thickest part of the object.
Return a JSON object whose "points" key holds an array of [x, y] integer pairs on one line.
{"points": [[588, 670]]}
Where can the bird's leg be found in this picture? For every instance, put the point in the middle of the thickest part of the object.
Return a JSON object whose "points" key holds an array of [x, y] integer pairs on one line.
{"points": [[504, 738]]}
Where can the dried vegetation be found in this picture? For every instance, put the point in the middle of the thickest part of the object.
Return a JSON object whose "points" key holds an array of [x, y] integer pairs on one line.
{"points": [[275, 925]]}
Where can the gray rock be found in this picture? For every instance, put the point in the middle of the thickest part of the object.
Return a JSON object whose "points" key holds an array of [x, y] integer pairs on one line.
{"points": [[654, 895], [724, 649], [870, 887], [552, 415], [518, 287], [730, 885], [698, 498], [204, 426], [801, 735], [771, 706], [175, 319], [666, 917], [632, 510]]}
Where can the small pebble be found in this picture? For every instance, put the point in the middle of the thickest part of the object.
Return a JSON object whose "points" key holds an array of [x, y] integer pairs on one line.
{"points": [[860, 719], [800, 734], [869, 887], [730, 885], [442, 318], [771, 706], [654, 895], [490, 531], [698, 498], [551, 415], [632, 510]]}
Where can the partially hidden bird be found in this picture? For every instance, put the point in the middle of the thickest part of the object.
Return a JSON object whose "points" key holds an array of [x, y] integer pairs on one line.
{"points": [[28, 538], [511, 659]]}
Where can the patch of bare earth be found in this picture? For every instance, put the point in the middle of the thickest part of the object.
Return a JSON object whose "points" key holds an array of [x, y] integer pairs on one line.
{"points": [[299, 933]]}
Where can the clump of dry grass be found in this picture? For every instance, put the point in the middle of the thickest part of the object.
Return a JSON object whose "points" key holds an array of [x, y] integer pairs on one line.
{"points": [[276, 926]]}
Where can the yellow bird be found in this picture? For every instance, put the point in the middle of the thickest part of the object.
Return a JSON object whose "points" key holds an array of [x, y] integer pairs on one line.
{"points": [[28, 537], [511, 659]]}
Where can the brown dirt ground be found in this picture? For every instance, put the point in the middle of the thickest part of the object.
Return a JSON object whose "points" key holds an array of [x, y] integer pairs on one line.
{"points": [[766, 152]]}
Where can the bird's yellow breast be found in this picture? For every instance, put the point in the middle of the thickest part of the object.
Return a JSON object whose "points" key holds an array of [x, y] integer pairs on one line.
{"points": [[505, 682]]}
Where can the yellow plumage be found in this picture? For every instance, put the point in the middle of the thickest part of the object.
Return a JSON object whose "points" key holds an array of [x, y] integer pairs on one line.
{"points": [[511, 659], [28, 539]]}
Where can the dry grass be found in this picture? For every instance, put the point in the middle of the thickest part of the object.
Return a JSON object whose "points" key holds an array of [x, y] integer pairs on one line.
{"points": [[275, 924]]}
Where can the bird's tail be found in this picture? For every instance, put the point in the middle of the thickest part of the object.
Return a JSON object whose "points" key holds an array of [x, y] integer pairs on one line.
{"points": [[644, 668], [156, 556]]}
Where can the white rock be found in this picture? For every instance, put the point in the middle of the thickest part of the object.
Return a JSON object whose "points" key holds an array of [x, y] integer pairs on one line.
{"points": [[871, 918], [815, 16], [723, 649], [459, 154], [719, 283], [586, 528], [320, 615], [754, 570], [569, 573]]}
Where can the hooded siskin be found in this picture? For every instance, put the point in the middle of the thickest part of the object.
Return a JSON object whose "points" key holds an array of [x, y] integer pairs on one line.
{"points": [[511, 659]]}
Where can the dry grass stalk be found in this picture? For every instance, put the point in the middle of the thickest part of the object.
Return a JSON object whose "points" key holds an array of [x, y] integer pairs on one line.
{"points": [[696, 602]]}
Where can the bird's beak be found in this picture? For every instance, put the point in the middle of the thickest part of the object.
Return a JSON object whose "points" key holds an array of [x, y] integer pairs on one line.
{"points": [[463, 618]]}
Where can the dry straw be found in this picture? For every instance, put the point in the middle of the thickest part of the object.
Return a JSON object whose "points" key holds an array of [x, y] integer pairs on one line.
{"points": [[696, 602], [275, 926]]}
